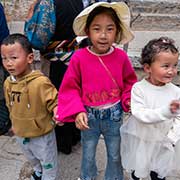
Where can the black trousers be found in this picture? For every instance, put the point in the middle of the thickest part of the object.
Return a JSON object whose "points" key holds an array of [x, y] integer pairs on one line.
{"points": [[66, 137]]}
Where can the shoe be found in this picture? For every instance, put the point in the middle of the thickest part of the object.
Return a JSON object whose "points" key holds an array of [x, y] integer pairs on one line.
{"points": [[133, 177], [36, 175]]}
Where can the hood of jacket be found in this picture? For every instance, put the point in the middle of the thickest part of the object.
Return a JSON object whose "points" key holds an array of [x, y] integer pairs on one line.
{"points": [[29, 77]]}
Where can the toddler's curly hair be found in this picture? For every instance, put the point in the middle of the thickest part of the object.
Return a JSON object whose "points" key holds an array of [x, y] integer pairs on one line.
{"points": [[155, 46]]}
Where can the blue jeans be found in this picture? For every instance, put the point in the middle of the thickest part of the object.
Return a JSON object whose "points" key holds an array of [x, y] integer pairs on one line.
{"points": [[106, 122]]}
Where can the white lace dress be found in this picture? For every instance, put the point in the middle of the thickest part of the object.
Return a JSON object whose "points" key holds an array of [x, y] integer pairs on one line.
{"points": [[150, 136]]}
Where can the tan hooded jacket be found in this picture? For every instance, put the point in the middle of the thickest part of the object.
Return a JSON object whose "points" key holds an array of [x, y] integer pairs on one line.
{"points": [[31, 101]]}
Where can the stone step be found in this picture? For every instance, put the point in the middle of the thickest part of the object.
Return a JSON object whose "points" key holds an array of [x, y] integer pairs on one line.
{"points": [[155, 22], [155, 6], [142, 37], [155, 14]]}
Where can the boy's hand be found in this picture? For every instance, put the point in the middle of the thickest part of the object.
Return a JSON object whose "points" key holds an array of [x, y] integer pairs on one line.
{"points": [[55, 117], [81, 121], [175, 106]]}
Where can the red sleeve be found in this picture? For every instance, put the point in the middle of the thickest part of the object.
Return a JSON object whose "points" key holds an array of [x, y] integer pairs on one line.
{"points": [[129, 78], [69, 97]]}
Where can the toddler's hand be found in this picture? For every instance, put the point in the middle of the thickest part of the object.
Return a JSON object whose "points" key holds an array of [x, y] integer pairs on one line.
{"points": [[175, 106], [129, 104], [81, 121]]}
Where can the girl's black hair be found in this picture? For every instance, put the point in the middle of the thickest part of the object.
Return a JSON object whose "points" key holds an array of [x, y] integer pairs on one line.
{"points": [[103, 10], [18, 38], [155, 46]]}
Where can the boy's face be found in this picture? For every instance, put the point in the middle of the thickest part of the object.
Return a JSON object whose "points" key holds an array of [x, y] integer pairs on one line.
{"points": [[16, 60]]}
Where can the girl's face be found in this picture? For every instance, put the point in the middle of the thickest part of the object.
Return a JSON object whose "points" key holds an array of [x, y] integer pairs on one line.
{"points": [[15, 60], [102, 33], [163, 69]]}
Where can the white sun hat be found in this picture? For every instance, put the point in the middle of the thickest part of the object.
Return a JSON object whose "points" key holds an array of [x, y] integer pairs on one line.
{"points": [[123, 13]]}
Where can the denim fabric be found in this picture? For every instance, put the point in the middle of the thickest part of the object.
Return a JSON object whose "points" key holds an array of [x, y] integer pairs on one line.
{"points": [[106, 122]]}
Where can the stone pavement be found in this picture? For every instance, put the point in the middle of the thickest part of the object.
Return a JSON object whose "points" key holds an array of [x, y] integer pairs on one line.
{"points": [[14, 166]]}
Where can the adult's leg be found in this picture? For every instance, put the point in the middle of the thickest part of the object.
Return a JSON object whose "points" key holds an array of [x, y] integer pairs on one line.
{"points": [[64, 135]]}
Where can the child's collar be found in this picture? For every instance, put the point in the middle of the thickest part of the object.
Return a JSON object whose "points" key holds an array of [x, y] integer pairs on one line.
{"points": [[13, 78], [109, 52]]}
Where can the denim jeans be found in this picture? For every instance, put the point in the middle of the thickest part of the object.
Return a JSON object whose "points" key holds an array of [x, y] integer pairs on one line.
{"points": [[106, 122]]}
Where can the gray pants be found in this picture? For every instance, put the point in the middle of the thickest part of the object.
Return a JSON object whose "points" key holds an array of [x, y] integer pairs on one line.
{"points": [[41, 152]]}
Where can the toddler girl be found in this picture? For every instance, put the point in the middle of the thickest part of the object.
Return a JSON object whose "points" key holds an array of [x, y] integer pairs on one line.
{"points": [[150, 136]]}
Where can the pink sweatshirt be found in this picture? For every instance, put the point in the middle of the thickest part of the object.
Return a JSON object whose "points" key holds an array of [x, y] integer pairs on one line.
{"points": [[87, 83]]}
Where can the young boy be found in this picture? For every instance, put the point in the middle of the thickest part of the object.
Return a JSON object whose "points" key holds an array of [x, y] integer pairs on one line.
{"points": [[31, 100]]}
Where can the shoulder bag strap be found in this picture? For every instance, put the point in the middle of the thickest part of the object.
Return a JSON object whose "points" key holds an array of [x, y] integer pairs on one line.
{"points": [[109, 72]]}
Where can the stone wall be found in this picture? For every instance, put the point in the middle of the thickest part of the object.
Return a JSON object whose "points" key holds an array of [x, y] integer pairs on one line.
{"points": [[147, 14]]}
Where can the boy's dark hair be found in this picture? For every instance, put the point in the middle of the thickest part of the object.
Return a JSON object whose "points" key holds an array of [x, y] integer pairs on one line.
{"points": [[103, 10], [155, 46], [18, 38]]}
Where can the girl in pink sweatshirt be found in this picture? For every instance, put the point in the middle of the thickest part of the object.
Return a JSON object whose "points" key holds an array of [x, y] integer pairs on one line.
{"points": [[97, 84]]}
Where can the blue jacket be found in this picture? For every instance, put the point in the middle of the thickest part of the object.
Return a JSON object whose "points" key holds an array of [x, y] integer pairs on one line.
{"points": [[4, 31]]}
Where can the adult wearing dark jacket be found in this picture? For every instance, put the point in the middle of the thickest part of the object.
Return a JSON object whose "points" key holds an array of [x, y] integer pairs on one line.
{"points": [[66, 10], [4, 32]]}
